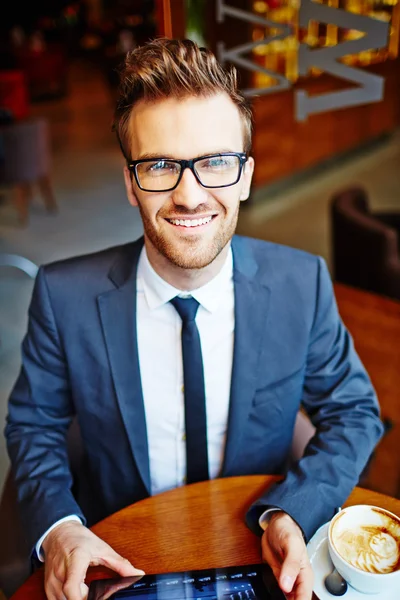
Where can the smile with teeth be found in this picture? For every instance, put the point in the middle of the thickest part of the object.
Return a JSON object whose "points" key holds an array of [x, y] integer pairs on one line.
{"points": [[190, 222]]}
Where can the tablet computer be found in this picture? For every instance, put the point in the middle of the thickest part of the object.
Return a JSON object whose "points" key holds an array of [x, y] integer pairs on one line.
{"points": [[249, 582]]}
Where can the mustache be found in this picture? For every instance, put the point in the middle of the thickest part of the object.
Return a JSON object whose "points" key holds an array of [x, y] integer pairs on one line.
{"points": [[183, 211]]}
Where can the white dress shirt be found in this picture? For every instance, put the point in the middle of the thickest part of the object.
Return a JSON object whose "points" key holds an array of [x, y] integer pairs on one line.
{"points": [[160, 357]]}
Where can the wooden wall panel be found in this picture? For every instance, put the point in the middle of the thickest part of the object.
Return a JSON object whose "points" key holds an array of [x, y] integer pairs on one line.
{"points": [[283, 146], [273, 146]]}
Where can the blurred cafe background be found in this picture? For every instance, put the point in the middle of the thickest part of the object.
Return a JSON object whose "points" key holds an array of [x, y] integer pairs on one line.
{"points": [[328, 183]]}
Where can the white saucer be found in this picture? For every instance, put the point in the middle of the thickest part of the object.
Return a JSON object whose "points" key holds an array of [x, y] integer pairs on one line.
{"points": [[322, 565]]}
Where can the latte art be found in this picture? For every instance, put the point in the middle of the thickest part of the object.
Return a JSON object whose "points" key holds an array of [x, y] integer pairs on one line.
{"points": [[364, 545], [369, 549]]}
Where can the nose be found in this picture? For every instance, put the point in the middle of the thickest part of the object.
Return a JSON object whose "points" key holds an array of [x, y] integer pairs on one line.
{"points": [[189, 192]]}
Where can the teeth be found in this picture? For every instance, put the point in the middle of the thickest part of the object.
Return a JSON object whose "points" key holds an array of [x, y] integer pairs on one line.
{"points": [[190, 222]]}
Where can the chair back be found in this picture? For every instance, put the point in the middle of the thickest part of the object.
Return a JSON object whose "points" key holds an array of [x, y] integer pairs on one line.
{"points": [[304, 430], [25, 151], [15, 565], [363, 246]]}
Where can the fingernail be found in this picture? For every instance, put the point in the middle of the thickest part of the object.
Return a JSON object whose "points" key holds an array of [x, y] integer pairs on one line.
{"points": [[84, 590], [287, 583]]}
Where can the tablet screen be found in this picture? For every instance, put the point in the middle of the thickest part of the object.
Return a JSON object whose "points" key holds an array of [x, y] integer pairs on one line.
{"points": [[250, 582]]}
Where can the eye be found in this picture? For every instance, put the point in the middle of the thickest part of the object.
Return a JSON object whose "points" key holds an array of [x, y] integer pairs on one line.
{"points": [[157, 168], [217, 163]]}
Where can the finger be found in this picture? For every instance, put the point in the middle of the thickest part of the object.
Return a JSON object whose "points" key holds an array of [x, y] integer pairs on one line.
{"points": [[269, 553], [120, 565], [274, 566], [54, 591], [270, 557], [53, 586], [305, 584], [76, 566], [84, 590], [294, 558]]}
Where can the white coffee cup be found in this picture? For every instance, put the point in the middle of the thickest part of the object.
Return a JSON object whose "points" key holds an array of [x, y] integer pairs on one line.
{"points": [[364, 546]]}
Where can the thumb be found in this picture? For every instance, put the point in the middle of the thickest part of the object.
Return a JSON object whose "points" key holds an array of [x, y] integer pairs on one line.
{"points": [[286, 582], [289, 572]]}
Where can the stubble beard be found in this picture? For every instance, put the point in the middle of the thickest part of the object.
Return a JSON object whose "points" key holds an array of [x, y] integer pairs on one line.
{"points": [[187, 254]]}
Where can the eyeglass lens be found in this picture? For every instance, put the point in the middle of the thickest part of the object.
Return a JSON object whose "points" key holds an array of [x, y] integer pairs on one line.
{"points": [[213, 171]]}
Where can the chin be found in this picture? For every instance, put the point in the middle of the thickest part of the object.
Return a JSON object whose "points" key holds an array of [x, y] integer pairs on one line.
{"points": [[193, 253], [191, 259]]}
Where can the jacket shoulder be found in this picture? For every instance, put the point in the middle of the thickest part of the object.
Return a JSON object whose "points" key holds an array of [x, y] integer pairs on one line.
{"points": [[91, 265], [81, 261], [277, 256], [93, 273]]}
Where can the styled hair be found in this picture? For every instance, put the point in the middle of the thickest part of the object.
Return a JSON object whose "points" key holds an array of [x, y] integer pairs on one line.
{"points": [[171, 68]]}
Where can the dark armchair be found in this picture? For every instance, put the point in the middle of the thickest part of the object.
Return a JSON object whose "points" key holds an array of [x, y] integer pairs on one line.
{"points": [[365, 244]]}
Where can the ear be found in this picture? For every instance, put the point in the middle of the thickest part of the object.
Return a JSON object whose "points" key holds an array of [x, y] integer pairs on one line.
{"points": [[129, 187], [246, 179]]}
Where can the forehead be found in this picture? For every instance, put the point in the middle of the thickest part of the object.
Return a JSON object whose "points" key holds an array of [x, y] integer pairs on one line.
{"points": [[185, 128]]}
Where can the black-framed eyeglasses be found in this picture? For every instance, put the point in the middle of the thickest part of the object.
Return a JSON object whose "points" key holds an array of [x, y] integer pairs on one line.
{"points": [[211, 171]]}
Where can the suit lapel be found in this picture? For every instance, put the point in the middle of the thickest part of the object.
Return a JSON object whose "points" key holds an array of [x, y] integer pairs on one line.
{"points": [[251, 309], [118, 316]]}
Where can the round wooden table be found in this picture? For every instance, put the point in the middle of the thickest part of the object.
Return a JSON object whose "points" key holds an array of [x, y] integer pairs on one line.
{"points": [[193, 527]]}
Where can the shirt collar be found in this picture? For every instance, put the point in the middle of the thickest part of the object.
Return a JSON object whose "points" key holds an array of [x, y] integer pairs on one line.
{"points": [[158, 292]]}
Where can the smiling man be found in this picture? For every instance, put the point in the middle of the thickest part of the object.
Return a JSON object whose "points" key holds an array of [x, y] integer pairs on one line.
{"points": [[189, 214], [164, 397]]}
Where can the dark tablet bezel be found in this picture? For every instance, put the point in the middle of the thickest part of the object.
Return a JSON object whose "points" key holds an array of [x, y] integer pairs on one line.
{"points": [[264, 582]]}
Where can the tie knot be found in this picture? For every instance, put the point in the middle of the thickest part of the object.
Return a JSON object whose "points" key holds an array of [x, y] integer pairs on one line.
{"points": [[186, 307]]}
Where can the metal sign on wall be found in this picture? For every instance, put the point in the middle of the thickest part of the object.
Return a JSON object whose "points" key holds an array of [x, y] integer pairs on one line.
{"points": [[296, 38]]}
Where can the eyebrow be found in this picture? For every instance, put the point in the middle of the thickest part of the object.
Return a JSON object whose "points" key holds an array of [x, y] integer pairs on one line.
{"points": [[153, 156]]}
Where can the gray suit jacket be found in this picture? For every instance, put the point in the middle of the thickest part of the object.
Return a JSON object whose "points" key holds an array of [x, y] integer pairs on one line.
{"points": [[80, 357]]}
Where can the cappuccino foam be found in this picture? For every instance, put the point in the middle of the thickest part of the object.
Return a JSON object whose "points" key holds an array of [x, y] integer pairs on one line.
{"points": [[368, 540]]}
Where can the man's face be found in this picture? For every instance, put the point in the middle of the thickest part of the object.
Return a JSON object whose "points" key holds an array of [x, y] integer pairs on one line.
{"points": [[186, 129]]}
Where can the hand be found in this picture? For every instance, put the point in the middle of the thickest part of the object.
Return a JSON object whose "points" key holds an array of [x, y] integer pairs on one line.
{"points": [[70, 548], [284, 549]]}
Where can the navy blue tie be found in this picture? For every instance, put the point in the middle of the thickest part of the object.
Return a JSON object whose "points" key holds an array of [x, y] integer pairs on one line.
{"points": [[195, 402]]}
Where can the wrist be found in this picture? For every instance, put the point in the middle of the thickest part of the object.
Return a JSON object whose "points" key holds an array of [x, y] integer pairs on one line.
{"points": [[57, 531], [279, 515], [282, 517]]}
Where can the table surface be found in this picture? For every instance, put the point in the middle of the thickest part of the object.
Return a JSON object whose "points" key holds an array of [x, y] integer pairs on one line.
{"points": [[193, 527]]}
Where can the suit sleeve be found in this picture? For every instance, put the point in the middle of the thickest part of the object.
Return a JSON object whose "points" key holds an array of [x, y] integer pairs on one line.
{"points": [[342, 404], [39, 414]]}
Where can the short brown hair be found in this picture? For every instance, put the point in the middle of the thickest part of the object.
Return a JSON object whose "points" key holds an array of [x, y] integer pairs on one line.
{"points": [[171, 68]]}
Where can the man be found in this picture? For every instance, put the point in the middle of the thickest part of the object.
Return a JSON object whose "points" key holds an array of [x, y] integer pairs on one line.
{"points": [[104, 334]]}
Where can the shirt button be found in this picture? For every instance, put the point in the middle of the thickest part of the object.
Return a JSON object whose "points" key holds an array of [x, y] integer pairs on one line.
{"points": [[184, 437], [183, 389], [184, 480]]}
